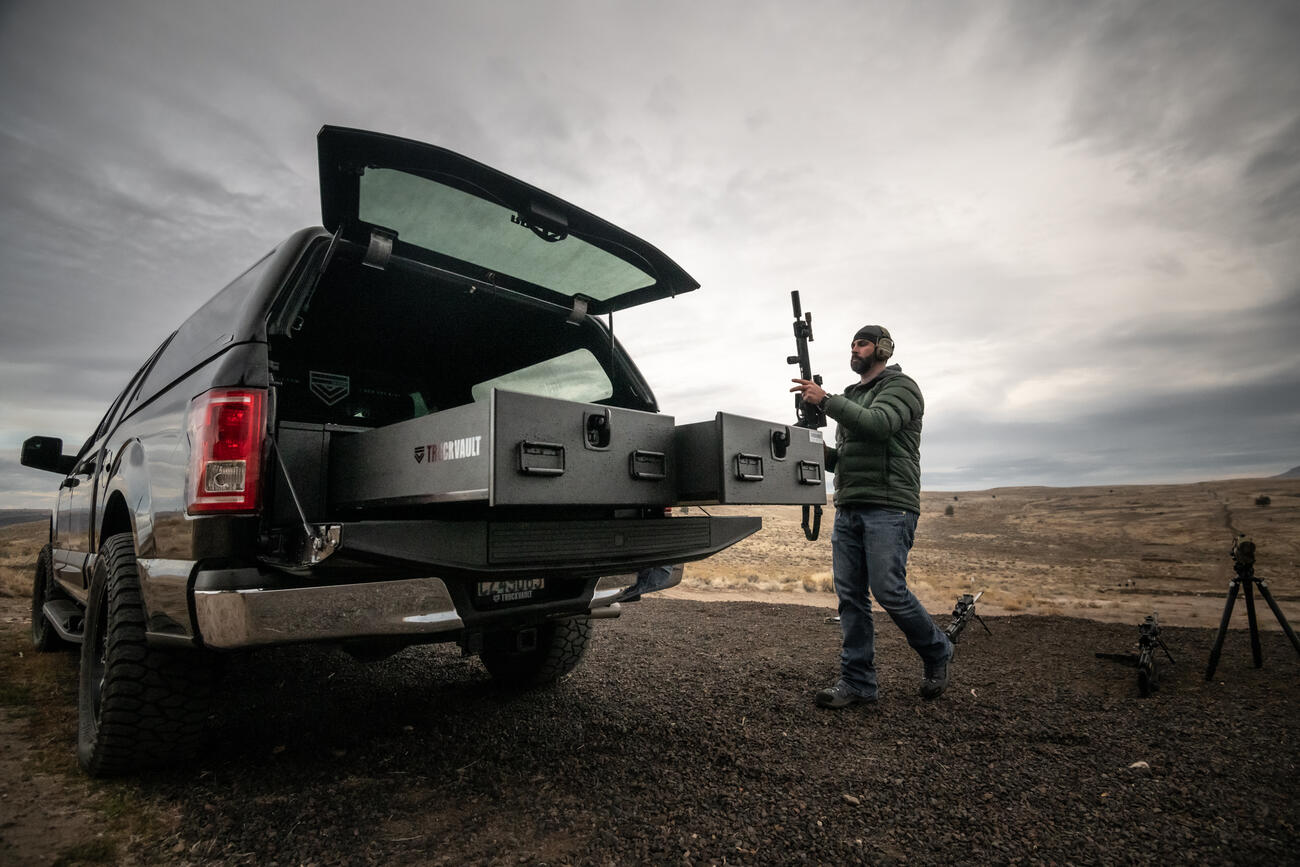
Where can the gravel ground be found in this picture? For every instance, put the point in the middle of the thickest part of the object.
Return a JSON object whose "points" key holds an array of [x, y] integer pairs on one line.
{"points": [[689, 735]]}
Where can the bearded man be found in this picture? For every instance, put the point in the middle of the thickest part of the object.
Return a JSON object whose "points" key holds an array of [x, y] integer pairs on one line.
{"points": [[877, 465]]}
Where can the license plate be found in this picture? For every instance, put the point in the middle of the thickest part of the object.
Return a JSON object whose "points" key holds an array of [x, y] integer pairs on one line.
{"points": [[512, 590]]}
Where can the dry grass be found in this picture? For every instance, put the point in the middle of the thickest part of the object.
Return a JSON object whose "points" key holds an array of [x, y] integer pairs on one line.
{"points": [[19, 546], [30, 682], [1108, 553]]}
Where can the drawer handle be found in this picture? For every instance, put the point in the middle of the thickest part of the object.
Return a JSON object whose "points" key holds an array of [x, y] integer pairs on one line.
{"points": [[541, 459], [749, 468]]}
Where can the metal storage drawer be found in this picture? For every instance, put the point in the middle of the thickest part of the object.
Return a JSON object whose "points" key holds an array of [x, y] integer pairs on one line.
{"points": [[739, 460], [515, 449]]}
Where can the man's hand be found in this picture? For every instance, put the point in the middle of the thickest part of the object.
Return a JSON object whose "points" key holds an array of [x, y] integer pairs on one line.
{"points": [[810, 391]]}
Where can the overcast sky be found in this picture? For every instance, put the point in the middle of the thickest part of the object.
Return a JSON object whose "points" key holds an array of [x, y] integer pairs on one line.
{"points": [[1080, 220]]}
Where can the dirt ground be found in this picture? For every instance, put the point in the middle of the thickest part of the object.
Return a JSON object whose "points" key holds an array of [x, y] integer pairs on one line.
{"points": [[689, 735]]}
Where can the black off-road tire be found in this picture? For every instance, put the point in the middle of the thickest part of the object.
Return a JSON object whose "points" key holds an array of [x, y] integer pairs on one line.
{"points": [[560, 647], [137, 705], [44, 636]]}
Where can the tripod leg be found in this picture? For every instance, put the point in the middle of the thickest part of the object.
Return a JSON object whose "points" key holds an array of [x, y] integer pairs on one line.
{"points": [[1165, 648], [1277, 612], [1148, 674], [1256, 652], [1233, 587]]}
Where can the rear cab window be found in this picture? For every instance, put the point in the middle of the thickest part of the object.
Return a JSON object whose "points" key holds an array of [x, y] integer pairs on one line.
{"points": [[441, 218]]}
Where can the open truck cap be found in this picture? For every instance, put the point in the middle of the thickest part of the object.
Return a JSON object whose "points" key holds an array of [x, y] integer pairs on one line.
{"points": [[445, 210]]}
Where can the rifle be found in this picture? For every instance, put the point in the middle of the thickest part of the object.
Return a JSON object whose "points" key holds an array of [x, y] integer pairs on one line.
{"points": [[810, 415], [962, 613], [1145, 659]]}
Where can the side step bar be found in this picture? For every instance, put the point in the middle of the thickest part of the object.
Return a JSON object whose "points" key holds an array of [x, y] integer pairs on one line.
{"points": [[67, 618]]}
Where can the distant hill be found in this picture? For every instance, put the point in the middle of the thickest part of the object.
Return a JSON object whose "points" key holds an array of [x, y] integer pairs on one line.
{"points": [[22, 516], [1293, 473]]}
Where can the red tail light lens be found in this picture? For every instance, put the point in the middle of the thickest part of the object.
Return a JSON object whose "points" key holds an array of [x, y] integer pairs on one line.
{"points": [[225, 429]]}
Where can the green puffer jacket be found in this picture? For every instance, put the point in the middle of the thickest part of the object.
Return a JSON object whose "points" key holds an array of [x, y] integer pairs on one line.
{"points": [[877, 454]]}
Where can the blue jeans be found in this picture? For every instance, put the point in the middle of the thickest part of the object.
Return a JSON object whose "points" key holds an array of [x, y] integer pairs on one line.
{"points": [[870, 546], [650, 579]]}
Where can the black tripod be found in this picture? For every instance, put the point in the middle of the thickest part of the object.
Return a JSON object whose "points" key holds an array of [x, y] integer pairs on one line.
{"points": [[1243, 563]]}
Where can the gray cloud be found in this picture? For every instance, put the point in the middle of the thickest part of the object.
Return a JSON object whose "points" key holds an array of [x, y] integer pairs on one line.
{"points": [[1187, 79], [1106, 193], [1274, 173], [1172, 83], [1233, 430]]}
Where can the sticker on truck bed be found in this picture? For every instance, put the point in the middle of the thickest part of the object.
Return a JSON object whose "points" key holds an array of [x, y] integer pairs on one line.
{"points": [[329, 387]]}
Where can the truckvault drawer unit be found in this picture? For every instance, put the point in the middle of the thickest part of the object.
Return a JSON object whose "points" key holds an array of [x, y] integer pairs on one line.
{"points": [[745, 461], [518, 449]]}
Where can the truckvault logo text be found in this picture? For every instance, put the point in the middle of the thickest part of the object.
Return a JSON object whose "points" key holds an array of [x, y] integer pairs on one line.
{"points": [[465, 447]]}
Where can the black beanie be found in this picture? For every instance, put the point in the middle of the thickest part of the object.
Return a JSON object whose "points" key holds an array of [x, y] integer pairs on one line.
{"points": [[872, 333]]}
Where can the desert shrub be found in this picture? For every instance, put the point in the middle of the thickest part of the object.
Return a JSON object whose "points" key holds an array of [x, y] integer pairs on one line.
{"points": [[16, 583], [819, 581], [954, 496], [949, 510], [1262, 500]]}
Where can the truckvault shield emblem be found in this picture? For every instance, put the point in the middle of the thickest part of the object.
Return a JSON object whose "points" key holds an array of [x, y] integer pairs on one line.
{"points": [[419, 454], [329, 387]]}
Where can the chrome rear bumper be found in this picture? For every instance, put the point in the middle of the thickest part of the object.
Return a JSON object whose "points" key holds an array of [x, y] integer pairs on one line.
{"points": [[411, 608], [230, 619]]}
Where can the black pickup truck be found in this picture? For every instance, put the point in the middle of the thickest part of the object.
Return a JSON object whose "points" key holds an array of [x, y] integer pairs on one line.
{"points": [[405, 426]]}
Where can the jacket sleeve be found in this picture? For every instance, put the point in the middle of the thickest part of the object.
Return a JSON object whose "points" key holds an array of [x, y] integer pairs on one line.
{"points": [[897, 403]]}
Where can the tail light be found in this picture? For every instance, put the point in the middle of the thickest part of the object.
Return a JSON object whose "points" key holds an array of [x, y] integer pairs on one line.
{"points": [[225, 429]]}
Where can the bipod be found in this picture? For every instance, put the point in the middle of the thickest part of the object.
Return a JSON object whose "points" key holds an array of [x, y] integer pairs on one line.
{"points": [[1243, 564], [1145, 659]]}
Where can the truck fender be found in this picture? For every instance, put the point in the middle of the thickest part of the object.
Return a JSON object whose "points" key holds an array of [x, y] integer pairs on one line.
{"points": [[129, 482], [129, 508]]}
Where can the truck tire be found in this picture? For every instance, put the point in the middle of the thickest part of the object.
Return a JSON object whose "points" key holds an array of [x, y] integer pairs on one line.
{"points": [[44, 637], [560, 646], [137, 705]]}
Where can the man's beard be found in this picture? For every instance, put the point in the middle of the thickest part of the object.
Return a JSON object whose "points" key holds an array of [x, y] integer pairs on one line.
{"points": [[859, 364]]}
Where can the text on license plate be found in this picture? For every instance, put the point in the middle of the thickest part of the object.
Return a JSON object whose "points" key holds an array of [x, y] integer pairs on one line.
{"points": [[511, 590]]}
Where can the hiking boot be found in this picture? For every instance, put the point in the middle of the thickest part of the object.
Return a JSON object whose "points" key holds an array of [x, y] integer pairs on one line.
{"points": [[839, 695], [936, 678]]}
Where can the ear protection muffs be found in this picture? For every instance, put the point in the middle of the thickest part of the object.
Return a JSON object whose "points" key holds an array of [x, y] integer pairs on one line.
{"points": [[884, 346]]}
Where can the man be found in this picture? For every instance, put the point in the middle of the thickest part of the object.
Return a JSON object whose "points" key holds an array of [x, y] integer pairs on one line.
{"points": [[877, 466]]}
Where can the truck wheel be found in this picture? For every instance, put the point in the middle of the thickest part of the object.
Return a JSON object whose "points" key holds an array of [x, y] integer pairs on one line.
{"points": [[43, 590], [560, 646], [137, 705]]}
